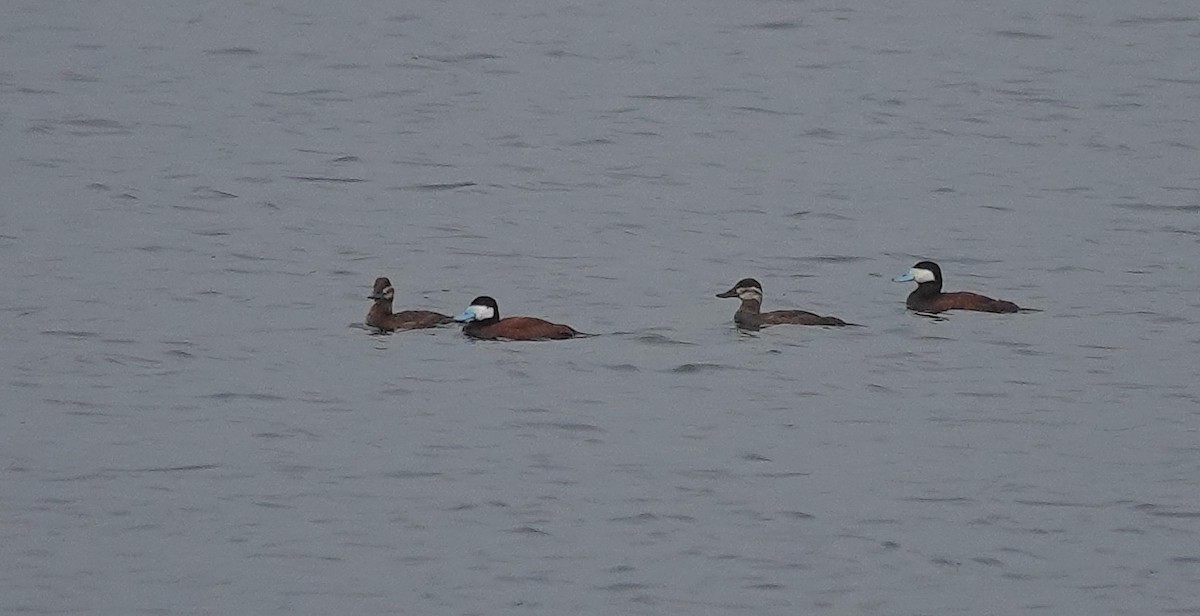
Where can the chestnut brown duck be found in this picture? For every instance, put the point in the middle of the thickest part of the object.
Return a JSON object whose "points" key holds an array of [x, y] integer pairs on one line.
{"points": [[929, 298], [381, 317]]}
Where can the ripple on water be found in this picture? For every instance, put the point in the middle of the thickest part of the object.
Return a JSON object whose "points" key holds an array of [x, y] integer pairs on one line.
{"points": [[435, 187], [658, 339], [557, 425], [1159, 207], [528, 530], [1021, 34], [1161, 511], [325, 179], [81, 407], [785, 24], [66, 333], [232, 51], [641, 518], [693, 368], [166, 469], [233, 395], [84, 127]]}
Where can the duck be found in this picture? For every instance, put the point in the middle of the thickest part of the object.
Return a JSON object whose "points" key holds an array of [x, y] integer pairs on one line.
{"points": [[482, 321], [929, 298], [381, 317], [748, 315]]}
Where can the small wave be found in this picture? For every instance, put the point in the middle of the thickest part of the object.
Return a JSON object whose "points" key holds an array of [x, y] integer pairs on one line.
{"points": [[560, 425], [640, 518], [528, 530], [1163, 512], [1154, 21], [1018, 34], [658, 339], [624, 587], [667, 97], [232, 51], [691, 368], [66, 333], [166, 469], [1157, 207], [332, 180], [231, 395], [464, 57], [437, 187], [788, 24], [765, 111], [412, 475]]}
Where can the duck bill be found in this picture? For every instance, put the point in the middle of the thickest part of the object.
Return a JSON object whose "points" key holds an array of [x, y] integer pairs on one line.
{"points": [[905, 277], [730, 293]]}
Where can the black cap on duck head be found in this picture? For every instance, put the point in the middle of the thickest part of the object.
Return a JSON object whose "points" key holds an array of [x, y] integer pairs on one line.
{"points": [[382, 290], [485, 300], [930, 267], [746, 288]]}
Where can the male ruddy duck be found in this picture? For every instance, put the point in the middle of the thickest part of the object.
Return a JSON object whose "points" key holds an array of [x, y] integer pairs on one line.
{"points": [[748, 316], [483, 321], [381, 316], [929, 297]]}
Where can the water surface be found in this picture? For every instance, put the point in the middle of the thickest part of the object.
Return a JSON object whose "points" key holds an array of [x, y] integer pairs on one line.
{"points": [[199, 195]]}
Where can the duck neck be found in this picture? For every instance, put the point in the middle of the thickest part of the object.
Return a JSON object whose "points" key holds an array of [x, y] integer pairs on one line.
{"points": [[750, 306], [381, 308], [928, 289]]}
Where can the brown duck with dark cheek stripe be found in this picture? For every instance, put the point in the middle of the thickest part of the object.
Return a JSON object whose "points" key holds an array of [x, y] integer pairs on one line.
{"points": [[929, 297], [380, 315], [483, 321], [749, 315]]}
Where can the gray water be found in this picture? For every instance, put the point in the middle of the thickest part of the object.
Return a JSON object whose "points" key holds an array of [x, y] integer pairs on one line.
{"points": [[198, 195]]}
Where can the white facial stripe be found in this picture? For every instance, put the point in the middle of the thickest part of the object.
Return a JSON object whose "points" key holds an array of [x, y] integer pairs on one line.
{"points": [[481, 313], [921, 275], [749, 293]]}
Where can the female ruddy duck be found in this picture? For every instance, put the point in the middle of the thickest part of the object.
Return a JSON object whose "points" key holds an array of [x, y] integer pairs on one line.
{"points": [[381, 316], [929, 297], [483, 321], [748, 316]]}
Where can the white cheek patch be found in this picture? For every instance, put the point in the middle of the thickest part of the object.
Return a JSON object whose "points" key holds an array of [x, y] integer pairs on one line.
{"points": [[921, 275], [749, 293], [388, 293], [481, 313]]}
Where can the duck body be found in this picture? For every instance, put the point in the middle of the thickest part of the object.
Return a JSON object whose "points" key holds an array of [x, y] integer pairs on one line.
{"points": [[381, 317], [928, 296], [749, 314], [482, 321]]}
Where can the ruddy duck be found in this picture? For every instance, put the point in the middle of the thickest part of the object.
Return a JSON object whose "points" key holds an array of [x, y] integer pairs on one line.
{"points": [[381, 316], [483, 321], [929, 297], [748, 316]]}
